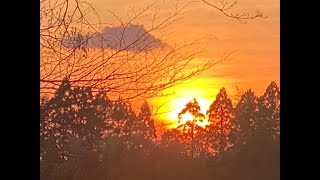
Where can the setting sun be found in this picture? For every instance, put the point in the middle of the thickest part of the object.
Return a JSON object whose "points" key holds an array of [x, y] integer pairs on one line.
{"points": [[168, 107], [174, 89], [178, 104]]}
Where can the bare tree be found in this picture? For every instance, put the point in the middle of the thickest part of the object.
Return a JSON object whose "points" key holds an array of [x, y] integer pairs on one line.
{"points": [[125, 60]]}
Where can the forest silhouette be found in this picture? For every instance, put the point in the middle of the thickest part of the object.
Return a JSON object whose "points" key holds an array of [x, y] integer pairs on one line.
{"points": [[85, 135]]}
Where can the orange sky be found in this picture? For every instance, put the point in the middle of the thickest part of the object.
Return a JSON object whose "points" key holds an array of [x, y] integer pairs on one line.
{"points": [[254, 65]]}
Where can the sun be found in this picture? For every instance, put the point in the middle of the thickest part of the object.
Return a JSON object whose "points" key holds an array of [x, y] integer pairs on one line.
{"points": [[167, 108], [179, 103]]}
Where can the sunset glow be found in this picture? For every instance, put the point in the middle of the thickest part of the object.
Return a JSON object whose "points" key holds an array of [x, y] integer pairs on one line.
{"points": [[254, 65], [178, 104], [161, 89]]}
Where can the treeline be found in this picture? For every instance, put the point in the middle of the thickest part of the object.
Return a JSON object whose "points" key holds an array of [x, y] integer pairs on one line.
{"points": [[84, 135]]}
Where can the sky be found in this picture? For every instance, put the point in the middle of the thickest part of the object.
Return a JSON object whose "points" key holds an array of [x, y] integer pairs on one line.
{"points": [[254, 64]]}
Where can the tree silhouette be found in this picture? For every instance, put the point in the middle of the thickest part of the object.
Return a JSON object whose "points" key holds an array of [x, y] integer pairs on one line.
{"points": [[139, 130], [84, 135], [71, 125], [190, 129], [146, 123], [245, 116], [136, 131], [220, 115], [268, 121], [61, 116], [119, 116], [103, 110]]}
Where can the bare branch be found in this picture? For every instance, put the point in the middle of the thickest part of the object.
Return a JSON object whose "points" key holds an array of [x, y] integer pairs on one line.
{"points": [[242, 17], [135, 67]]}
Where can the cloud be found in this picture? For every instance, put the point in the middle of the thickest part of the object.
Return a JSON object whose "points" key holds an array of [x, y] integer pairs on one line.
{"points": [[131, 37]]}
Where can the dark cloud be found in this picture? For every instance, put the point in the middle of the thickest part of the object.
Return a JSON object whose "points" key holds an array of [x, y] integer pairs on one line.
{"points": [[134, 37]]}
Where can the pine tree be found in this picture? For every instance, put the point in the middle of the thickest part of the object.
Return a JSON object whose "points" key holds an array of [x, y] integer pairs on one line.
{"points": [[60, 117], [124, 124], [103, 111], [73, 113], [119, 116], [268, 121], [220, 116], [88, 121], [146, 123], [190, 130], [245, 116]]}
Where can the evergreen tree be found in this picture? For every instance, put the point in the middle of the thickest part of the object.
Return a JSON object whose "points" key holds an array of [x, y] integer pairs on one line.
{"points": [[49, 151], [43, 128], [245, 116], [103, 109], [88, 121], [124, 123], [220, 116], [73, 114], [145, 124], [60, 117], [190, 130], [119, 116], [268, 121], [54, 131]]}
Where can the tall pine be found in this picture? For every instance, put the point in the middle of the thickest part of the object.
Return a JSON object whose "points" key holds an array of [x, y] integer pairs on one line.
{"points": [[245, 116], [190, 130], [268, 121], [145, 123], [220, 117]]}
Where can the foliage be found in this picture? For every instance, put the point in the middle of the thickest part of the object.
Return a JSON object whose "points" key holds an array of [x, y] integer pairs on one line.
{"points": [[84, 135], [268, 121], [245, 117], [220, 116]]}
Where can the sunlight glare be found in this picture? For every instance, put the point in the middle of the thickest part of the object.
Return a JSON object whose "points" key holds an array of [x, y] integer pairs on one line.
{"points": [[178, 104]]}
